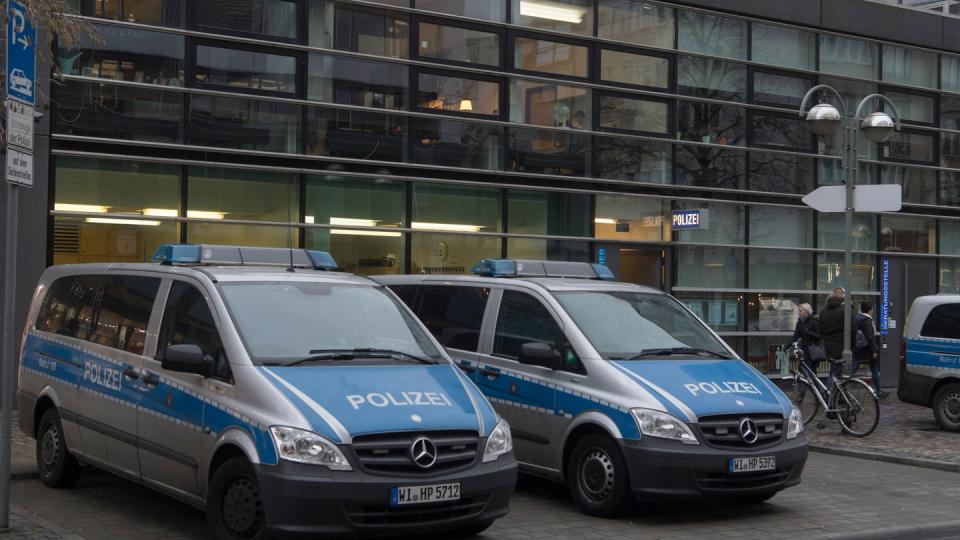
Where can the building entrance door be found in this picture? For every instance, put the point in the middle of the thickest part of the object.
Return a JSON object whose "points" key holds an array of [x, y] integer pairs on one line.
{"points": [[909, 278], [640, 265]]}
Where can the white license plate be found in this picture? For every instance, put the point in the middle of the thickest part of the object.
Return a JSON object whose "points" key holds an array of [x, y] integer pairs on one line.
{"points": [[750, 464], [424, 494]]}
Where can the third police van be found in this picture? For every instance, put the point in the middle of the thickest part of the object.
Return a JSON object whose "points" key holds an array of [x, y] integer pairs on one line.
{"points": [[616, 389]]}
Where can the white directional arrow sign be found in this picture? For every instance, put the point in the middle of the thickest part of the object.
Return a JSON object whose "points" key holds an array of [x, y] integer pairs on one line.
{"points": [[866, 198]]}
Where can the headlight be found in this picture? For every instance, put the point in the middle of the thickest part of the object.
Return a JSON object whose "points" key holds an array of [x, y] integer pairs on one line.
{"points": [[794, 424], [499, 442], [663, 425], [303, 446]]}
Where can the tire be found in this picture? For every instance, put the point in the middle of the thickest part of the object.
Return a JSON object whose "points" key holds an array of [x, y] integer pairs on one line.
{"points": [[859, 416], [597, 476], [234, 507], [475, 529], [809, 405], [57, 466], [946, 407]]}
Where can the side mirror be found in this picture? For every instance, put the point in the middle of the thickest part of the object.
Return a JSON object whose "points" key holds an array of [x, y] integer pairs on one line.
{"points": [[539, 354], [185, 358]]}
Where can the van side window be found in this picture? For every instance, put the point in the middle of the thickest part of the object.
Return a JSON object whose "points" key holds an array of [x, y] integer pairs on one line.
{"points": [[407, 293], [124, 312], [454, 315], [68, 308], [523, 319], [187, 320], [942, 322]]}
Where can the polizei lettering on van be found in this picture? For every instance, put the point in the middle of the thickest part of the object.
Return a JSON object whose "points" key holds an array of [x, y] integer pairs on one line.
{"points": [[725, 387], [400, 399]]}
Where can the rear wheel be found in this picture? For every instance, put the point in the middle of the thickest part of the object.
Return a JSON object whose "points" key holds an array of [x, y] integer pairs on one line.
{"points": [[804, 396], [597, 476], [234, 507], [58, 467], [946, 407], [858, 409]]}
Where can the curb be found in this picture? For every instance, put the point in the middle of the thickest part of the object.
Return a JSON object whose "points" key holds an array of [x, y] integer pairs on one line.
{"points": [[940, 529], [899, 460]]}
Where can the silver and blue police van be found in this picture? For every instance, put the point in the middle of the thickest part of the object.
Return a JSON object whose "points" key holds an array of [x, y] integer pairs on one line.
{"points": [[614, 388], [282, 397], [930, 358]]}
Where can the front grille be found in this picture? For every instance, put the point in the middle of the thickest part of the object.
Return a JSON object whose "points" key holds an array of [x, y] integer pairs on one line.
{"points": [[382, 514], [724, 431], [710, 481], [389, 453]]}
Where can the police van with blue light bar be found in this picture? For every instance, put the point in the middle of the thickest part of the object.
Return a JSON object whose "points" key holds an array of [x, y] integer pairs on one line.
{"points": [[618, 390], [261, 385]]}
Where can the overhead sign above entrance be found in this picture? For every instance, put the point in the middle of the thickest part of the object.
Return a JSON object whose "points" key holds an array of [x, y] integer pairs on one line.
{"points": [[685, 220]]}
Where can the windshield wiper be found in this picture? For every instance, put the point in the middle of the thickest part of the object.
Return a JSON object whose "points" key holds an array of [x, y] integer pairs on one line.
{"points": [[677, 350], [320, 355]]}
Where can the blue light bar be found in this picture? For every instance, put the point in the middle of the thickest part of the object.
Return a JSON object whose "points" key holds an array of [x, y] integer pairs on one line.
{"points": [[171, 254], [524, 268]]}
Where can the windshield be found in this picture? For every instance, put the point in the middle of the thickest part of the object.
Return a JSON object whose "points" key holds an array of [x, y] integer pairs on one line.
{"points": [[625, 325], [287, 322]]}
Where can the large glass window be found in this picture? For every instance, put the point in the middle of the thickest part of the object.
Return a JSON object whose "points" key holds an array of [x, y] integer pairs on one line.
{"points": [[774, 312], [491, 10], [919, 185], [126, 54], [107, 188], [619, 158], [778, 89], [630, 114], [216, 193], [721, 311], [950, 150], [156, 12], [710, 267], [848, 57], [378, 33], [565, 16], [781, 173], [117, 112], [549, 152], [908, 234], [704, 33], [780, 269], [830, 271], [354, 81], [950, 73], [453, 143], [711, 123], [458, 95], [244, 123], [950, 112], [273, 18], [909, 66], [450, 254], [950, 276], [907, 146], [621, 217], [783, 47], [710, 167], [714, 79], [950, 188], [634, 69], [776, 226], [458, 44], [913, 107], [551, 57], [545, 213], [547, 104], [455, 208], [240, 69], [780, 131], [725, 224], [949, 237], [949, 245], [345, 203], [355, 134], [636, 21], [832, 231], [552, 250]]}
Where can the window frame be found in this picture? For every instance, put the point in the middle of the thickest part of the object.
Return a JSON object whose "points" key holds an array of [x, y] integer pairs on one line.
{"points": [[385, 11], [935, 96], [503, 100], [416, 20], [192, 20], [511, 60], [671, 104], [671, 58], [810, 148], [934, 159], [752, 70], [492, 323], [300, 68]]}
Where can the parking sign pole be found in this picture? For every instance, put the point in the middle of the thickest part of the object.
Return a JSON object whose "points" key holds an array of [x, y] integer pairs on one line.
{"points": [[9, 354]]}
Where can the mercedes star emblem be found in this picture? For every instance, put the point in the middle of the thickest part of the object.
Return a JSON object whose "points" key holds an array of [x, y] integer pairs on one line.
{"points": [[748, 431], [423, 452]]}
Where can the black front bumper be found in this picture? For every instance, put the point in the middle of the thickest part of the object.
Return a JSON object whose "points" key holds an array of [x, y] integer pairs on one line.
{"points": [[662, 469], [302, 502]]}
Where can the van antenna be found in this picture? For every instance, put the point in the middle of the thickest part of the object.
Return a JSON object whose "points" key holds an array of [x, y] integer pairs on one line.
{"points": [[290, 268]]}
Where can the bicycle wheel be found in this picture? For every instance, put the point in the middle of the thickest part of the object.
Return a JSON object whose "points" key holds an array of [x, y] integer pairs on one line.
{"points": [[804, 396], [858, 409]]}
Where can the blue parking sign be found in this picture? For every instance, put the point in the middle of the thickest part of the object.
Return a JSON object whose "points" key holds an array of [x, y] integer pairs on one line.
{"points": [[21, 57]]}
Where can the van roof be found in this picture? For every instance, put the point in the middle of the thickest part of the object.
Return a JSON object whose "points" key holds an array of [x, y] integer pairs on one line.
{"points": [[551, 284], [933, 299], [218, 273]]}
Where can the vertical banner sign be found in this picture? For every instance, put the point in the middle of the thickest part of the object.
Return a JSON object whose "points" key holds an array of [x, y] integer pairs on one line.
{"points": [[602, 255], [884, 296]]}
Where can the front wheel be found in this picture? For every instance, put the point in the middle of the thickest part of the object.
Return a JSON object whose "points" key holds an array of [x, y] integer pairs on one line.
{"points": [[857, 407], [234, 507], [597, 476], [946, 407], [804, 396], [58, 468]]}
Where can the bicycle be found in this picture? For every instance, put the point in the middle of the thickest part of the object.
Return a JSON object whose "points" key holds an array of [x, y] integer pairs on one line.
{"points": [[850, 399]]}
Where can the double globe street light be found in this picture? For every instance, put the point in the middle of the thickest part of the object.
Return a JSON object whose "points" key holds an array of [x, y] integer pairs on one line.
{"points": [[877, 127]]}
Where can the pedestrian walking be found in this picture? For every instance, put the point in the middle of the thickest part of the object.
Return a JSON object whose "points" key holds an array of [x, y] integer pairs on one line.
{"points": [[807, 335], [831, 330], [866, 348]]}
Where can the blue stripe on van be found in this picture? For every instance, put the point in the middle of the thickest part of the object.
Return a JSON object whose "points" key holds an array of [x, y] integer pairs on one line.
{"points": [[939, 353]]}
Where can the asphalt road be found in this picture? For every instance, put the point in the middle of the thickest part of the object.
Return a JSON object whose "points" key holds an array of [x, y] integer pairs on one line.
{"points": [[839, 496]]}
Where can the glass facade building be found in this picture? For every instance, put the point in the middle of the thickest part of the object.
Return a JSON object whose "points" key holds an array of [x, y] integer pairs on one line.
{"points": [[422, 135]]}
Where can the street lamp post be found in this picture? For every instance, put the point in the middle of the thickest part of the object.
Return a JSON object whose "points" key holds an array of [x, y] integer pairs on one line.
{"points": [[823, 119]]}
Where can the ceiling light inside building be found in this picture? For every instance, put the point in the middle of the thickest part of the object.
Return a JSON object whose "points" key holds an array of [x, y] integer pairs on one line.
{"points": [[450, 227], [554, 12], [196, 214], [90, 208], [350, 232], [604, 221], [353, 222], [119, 221]]}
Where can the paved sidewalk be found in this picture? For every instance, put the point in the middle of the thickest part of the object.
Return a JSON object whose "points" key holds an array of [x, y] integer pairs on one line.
{"points": [[906, 434]]}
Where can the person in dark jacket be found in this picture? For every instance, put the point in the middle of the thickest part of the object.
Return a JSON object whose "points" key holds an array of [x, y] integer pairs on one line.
{"points": [[807, 333], [870, 353], [831, 330]]}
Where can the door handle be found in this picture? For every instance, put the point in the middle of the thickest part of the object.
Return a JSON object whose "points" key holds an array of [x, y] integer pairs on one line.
{"points": [[490, 372], [131, 373], [466, 367], [150, 379]]}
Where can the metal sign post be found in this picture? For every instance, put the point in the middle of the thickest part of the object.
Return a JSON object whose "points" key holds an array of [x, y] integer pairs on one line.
{"points": [[21, 94]]}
